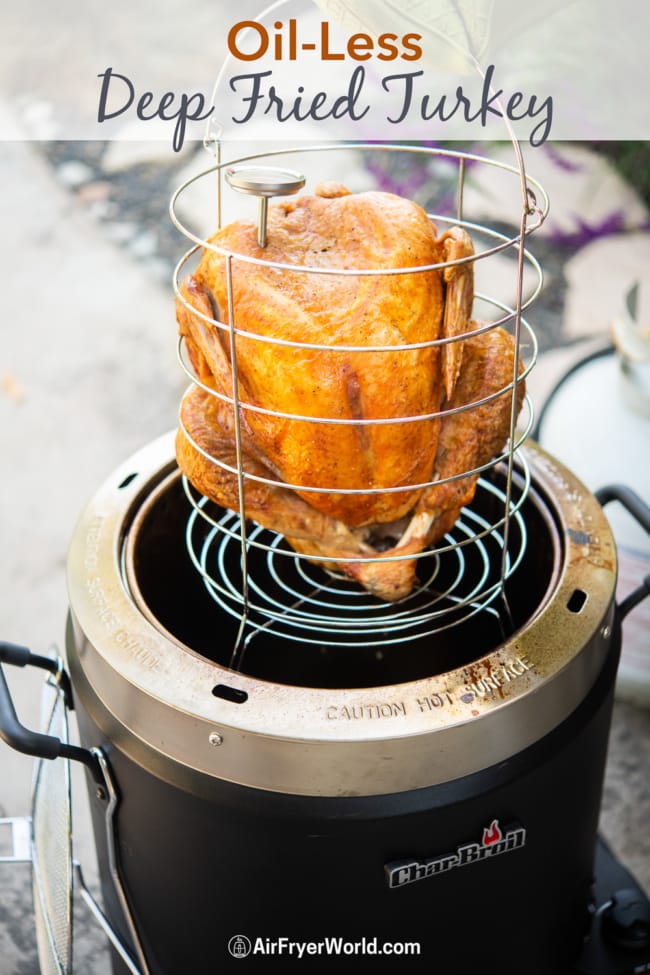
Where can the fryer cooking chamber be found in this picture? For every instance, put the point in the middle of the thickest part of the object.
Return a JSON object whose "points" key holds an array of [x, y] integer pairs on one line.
{"points": [[402, 733]]}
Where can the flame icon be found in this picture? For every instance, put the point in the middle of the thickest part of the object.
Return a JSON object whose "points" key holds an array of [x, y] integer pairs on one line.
{"points": [[492, 833]]}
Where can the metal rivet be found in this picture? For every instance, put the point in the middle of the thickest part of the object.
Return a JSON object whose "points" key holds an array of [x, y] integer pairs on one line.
{"points": [[606, 632], [100, 792], [215, 739]]}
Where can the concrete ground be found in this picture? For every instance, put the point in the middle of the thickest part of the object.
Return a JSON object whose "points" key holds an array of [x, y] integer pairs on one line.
{"points": [[88, 374]]}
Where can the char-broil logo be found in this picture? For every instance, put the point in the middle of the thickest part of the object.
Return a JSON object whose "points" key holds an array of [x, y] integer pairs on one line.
{"points": [[493, 843]]}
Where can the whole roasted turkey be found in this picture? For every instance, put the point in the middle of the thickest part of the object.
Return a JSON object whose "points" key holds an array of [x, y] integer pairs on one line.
{"points": [[323, 428]]}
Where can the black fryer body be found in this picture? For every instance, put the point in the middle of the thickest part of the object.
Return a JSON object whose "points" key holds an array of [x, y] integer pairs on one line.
{"points": [[200, 869]]}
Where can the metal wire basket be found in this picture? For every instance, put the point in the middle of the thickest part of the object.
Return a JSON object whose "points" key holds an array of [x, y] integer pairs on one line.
{"points": [[279, 589]]}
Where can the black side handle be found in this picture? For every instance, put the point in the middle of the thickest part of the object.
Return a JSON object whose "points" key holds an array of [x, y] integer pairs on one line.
{"points": [[35, 743], [14, 653], [641, 512]]}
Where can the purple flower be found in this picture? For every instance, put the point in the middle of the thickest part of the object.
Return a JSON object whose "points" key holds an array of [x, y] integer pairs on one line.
{"points": [[585, 233]]}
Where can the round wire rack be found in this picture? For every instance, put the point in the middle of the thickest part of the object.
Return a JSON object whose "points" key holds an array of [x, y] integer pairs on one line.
{"points": [[291, 597], [273, 587]]}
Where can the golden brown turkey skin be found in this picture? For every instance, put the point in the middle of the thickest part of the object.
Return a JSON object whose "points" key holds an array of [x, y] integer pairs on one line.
{"points": [[335, 229], [469, 438]]}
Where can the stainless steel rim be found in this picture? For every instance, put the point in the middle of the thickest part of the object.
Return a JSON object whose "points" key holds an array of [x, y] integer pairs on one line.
{"points": [[315, 741]]}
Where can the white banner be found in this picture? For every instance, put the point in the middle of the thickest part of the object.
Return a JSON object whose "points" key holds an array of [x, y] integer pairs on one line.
{"points": [[326, 70]]}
